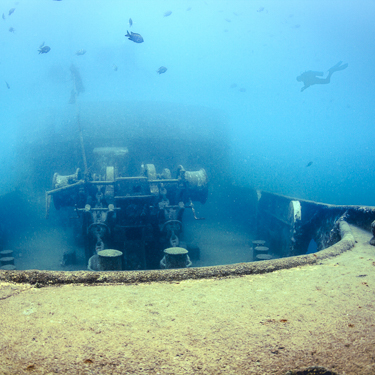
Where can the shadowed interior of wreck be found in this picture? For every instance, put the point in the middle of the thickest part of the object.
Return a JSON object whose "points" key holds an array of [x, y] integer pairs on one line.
{"points": [[139, 141], [126, 180]]}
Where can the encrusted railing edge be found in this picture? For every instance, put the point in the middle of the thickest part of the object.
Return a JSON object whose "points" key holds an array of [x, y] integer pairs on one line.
{"points": [[45, 278]]}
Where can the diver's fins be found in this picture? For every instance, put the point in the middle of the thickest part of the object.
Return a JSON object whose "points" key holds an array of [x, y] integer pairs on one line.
{"points": [[337, 67], [342, 67]]}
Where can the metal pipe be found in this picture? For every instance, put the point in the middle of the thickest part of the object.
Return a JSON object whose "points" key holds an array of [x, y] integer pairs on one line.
{"points": [[67, 187]]}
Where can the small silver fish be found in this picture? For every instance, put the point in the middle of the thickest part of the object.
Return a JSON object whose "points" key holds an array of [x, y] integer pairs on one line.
{"points": [[3, 16], [7, 84], [114, 67], [11, 11], [130, 23]]}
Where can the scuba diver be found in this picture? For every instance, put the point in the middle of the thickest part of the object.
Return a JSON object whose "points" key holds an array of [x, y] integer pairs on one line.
{"points": [[310, 77]]}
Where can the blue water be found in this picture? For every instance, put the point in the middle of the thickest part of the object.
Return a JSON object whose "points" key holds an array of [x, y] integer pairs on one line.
{"points": [[275, 130]]}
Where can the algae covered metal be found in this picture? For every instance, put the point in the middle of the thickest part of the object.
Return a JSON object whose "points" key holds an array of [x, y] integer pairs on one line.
{"points": [[138, 215]]}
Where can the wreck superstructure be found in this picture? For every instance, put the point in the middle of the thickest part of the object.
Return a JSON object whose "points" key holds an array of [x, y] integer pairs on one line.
{"points": [[139, 215]]}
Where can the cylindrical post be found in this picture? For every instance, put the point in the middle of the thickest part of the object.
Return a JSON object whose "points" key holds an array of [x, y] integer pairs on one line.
{"points": [[263, 257], [8, 267], [175, 257], [258, 243], [6, 260], [110, 260], [261, 250], [6, 253]]}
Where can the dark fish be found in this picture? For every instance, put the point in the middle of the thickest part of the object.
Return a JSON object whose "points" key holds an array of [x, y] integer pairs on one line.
{"points": [[3, 16], [161, 70], [80, 52], [134, 37], [44, 49], [11, 11], [11, 30], [261, 9], [130, 22], [7, 84], [309, 164], [168, 13]]}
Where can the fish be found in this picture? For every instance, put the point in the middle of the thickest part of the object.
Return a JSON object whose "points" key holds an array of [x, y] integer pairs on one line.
{"points": [[233, 85], [261, 9], [242, 89], [11, 11], [309, 164], [3, 16], [7, 84], [43, 49], [80, 52], [168, 13], [12, 30], [162, 70], [114, 67], [130, 22], [134, 37]]}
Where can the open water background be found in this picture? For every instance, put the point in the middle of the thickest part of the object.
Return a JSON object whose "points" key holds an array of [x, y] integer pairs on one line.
{"points": [[207, 46]]}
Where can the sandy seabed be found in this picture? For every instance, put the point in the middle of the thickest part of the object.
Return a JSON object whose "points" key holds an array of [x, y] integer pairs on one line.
{"points": [[319, 315]]}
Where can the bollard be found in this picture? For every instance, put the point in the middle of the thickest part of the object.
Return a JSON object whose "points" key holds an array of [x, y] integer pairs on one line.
{"points": [[6, 260], [258, 243], [109, 260], [261, 250], [8, 267], [175, 257], [6, 253], [263, 257]]}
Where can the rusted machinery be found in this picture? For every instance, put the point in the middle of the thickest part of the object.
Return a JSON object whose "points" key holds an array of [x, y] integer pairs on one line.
{"points": [[139, 216]]}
